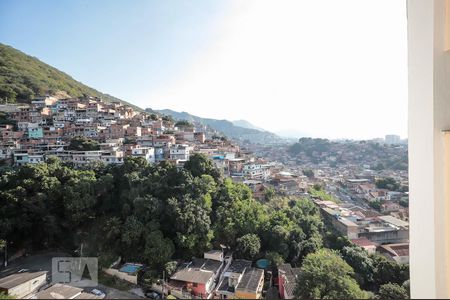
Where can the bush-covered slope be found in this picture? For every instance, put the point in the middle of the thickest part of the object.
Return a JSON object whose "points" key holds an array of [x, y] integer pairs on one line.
{"points": [[23, 77]]}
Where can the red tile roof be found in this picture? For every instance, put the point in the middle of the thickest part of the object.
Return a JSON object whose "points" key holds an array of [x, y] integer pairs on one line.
{"points": [[363, 242]]}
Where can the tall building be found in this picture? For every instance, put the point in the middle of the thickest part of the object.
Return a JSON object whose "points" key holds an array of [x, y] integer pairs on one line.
{"points": [[392, 139]]}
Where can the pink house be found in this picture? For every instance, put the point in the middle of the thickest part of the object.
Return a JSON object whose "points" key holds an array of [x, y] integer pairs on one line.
{"points": [[287, 277], [198, 276]]}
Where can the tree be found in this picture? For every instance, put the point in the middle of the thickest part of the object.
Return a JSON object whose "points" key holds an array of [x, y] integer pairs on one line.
{"points": [[248, 246], [191, 220], [184, 124], [275, 259], [308, 173], [388, 271], [361, 262], [236, 213], [404, 202], [79, 197], [170, 267], [7, 94], [407, 286], [158, 249], [147, 278], [317, 187], [5, 119], [199, 164], [387, 183], [324, 275], [167, 118], [376, 204], [392, 291], [269, 194], [80, 143]]}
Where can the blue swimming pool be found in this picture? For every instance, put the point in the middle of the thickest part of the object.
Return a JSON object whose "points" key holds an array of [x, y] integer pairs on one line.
{"points": [[130, 268], [262, 263]]}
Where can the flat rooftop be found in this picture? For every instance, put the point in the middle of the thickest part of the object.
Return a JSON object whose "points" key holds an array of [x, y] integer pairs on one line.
{"points": [[14, 280], [394, 221], [59, 291], [239, 265], [347, 222], [250, 280]]}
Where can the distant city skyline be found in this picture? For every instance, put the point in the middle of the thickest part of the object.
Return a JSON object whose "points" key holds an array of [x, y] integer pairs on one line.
{"points": [[333, 69]]}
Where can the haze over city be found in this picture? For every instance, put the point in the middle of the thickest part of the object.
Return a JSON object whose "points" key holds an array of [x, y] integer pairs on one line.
{"points": [[236, 149], [313, 67]]}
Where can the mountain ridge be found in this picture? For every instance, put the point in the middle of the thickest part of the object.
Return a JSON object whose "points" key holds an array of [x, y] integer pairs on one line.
{"points": [[247, 124], [226, 127]]}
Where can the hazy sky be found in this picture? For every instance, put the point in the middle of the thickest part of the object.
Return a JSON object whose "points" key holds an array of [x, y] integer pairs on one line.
{"points": [[324, 68]]}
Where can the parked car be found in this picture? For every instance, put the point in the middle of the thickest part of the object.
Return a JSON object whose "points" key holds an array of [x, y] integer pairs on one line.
{"points": [[153, 295], [99, 293], [23, 270]]}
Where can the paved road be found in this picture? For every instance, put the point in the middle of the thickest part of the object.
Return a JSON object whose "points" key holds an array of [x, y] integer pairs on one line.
{"points": [[43, 262], [347, 197], [38, 262]]}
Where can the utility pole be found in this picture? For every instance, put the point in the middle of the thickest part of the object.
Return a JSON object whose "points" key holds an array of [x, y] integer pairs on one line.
{"points": [[163, 282], [79, 261], [6, 253]]}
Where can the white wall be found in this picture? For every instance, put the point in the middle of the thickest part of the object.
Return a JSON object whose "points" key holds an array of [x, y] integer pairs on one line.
{"points": [[28, 287], [121, 275], [429, 115]]}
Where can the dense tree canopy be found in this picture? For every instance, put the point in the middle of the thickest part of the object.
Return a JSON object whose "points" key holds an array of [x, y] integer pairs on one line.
{"points": [[324, 275], [371, 270], [184, 124], [393, 291], [149, 212], [80, 143], [248, 246], [387, 183], [200, 164], [157, 213]]}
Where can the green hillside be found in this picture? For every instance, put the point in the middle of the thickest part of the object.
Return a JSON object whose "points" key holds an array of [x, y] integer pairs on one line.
{"points": [[23, 77]]}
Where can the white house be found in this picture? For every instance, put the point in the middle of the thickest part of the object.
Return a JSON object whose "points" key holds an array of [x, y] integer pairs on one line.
{"points": [[147, 152], [180, 152]]}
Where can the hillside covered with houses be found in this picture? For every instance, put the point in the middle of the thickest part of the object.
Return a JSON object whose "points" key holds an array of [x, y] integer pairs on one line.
{"points": [[143, 190], [176, 207]]}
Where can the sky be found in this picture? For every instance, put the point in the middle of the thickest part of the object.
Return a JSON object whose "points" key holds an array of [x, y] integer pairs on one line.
{"points": [[319, 68]]}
